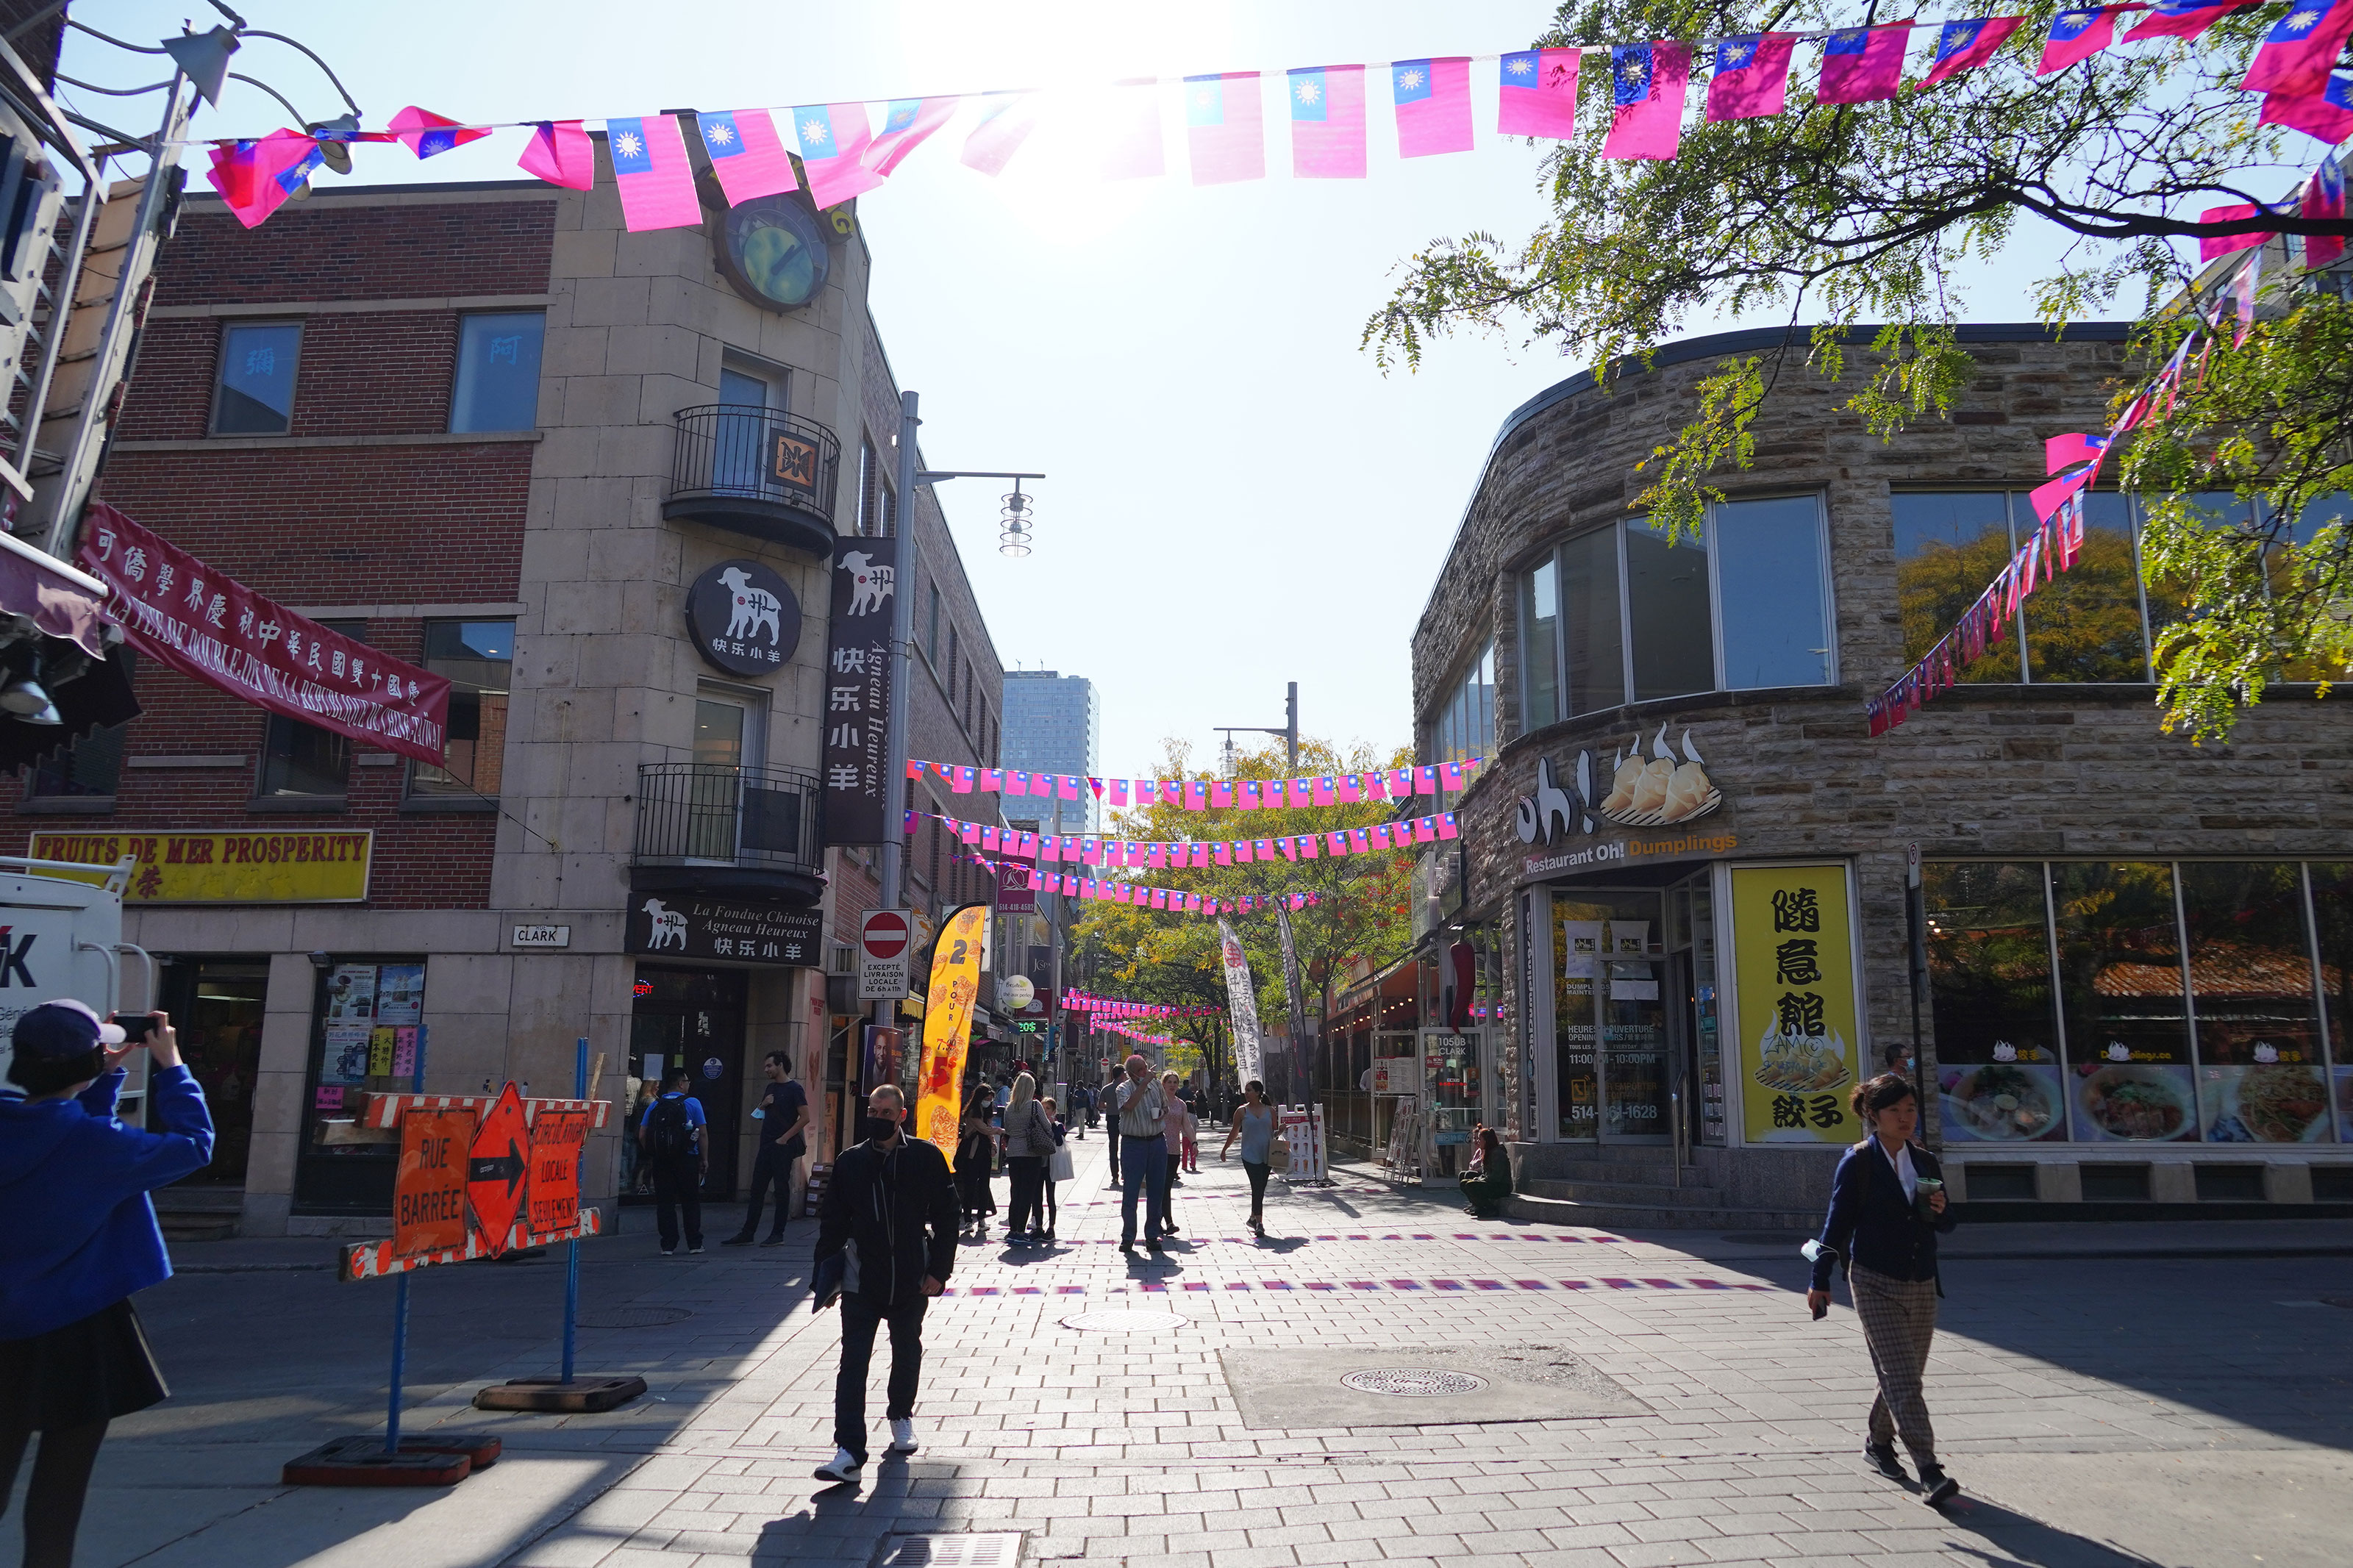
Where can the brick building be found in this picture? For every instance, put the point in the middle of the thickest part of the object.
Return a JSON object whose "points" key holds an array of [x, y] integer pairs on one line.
{"points": [[1682, 878], [485, 430]]}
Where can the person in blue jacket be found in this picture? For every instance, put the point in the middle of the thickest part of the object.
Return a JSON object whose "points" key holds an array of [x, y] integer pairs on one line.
{"points": [[80, 1239], [1887, 1209]]}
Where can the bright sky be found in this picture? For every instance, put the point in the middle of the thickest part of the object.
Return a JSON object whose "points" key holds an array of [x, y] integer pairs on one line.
{"points": [[1236, 497]]}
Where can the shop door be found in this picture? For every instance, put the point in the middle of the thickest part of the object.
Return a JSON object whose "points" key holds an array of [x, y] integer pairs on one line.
{"points": [[1454, 1078], [696, 1018], [1634, 1052], [216, 1006]]}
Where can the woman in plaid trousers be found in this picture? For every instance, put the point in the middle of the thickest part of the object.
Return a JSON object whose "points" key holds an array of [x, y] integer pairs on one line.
{"points": [[1887, 1207]]}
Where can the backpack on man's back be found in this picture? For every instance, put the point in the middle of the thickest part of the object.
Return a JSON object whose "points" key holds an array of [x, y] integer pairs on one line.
{"points": [[668, 1134]]}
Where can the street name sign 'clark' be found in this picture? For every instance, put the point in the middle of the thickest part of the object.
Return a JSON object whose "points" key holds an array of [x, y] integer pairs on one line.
{"points": [[204, 623]]}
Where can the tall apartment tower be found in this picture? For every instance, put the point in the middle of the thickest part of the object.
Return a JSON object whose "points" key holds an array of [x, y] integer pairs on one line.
{"points": [[1053, 723]]}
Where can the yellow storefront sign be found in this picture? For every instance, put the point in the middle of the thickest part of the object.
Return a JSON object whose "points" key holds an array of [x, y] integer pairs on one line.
{"points": [[947, 1025], [226, 868], [1792, 935]]}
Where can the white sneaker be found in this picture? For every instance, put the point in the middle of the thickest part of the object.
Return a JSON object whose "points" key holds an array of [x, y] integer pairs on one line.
{"points": [[903, 1437], [840, 1467]]}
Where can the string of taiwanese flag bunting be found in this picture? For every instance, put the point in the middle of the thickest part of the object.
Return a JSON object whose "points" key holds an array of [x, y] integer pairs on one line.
{"points": [[841, 155], [1131, 1032], [1114, 1007], [1208, 795], [1139, 895], [1198, 854], [2074, 460]]}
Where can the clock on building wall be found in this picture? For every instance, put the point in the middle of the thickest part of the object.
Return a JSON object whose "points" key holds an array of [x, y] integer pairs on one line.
{"points": [[773, 250]]}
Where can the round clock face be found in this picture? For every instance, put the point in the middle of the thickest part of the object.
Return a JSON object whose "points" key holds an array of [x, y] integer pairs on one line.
{"points": [[774, 251]]}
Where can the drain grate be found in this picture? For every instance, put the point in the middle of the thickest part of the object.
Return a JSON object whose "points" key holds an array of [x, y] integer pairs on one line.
{"points": [[989, 1550], [1413, 1381], [633, 1316], [1123, 1321]]}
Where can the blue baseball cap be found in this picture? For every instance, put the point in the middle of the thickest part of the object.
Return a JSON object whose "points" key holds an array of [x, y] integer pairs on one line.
{"points": [[60, 1030]]}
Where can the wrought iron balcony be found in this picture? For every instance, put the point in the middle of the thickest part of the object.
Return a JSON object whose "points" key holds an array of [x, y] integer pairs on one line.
{"points": [[751, 832], [755, 471]]}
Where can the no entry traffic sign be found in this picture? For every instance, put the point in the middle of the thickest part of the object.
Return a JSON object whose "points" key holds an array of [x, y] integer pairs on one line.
{"points": [[496, 1170], [884, 961], [428, 1196], [556, 1137]]}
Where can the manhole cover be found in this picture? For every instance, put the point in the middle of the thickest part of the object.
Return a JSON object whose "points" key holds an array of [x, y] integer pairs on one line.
{"points": [[979, 1550], [633, 1316], [1413, 1380], [1123, 1320]]}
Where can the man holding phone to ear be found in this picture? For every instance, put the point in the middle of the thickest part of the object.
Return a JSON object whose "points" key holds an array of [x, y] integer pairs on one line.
{"points": [[80, 1239]]}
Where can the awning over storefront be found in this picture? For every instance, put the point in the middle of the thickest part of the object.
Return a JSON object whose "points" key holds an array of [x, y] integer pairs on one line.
{"points": [[88, 681], [62, 601]]}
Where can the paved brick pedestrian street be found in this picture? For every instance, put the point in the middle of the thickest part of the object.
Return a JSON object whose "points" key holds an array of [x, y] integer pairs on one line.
{"points": [[1675, 1403]]}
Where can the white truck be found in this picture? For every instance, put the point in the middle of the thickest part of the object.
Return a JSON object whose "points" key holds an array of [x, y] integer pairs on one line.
{"points": [[61, 936]]}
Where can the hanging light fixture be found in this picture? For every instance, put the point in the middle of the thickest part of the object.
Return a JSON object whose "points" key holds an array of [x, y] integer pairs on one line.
{"points": [[1014, 532], [22, 695]]}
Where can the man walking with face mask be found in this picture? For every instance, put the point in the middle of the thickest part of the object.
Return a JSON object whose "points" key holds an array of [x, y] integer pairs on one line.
{"points": [[890, 1216]]}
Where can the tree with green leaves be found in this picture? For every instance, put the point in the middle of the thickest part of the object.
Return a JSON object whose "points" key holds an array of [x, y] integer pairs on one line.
{"points": [[1832, 216], [1361, 908]]}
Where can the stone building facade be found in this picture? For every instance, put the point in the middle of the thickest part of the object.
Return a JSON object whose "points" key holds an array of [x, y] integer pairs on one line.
{"points": [[1685, 866], [488, 430]]}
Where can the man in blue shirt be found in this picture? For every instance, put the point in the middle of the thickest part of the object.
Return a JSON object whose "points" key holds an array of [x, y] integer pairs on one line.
{"points": [[671, 1137], [783, 1115]]}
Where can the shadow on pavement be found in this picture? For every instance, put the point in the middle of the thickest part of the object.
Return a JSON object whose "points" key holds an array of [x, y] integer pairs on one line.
{"points": [[1992, 1534]]}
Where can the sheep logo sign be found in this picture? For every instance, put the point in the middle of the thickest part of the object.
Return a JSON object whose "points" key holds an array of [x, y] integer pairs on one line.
{"points": [[857, 688], [743, 618]]}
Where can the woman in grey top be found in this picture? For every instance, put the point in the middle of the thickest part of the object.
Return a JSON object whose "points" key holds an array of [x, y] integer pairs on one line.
{"points": [[1254, 1125], [1029, 1139]]}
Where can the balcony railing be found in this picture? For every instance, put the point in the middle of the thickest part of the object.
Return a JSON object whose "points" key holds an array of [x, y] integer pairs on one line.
{"points": [[739, 819], [756, 472]]}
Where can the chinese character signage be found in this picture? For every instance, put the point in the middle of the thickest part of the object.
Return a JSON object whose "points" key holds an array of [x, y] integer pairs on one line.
{"points": [[858, 690], [226, 868], [207, 625], [743, 618], [1799, 1050], [685, 926]]}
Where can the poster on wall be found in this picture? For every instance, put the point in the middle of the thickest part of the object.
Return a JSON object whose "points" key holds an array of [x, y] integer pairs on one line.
{"points": [[351, 993], [1792, 933], [1577, 965], [345, 1058], [400, 993]]}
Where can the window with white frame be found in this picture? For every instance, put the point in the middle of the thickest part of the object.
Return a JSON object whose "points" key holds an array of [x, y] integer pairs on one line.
{"points": [[1465, 726]]}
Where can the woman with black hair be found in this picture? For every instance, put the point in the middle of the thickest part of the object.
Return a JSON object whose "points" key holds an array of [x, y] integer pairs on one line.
{"points": [[1488, 1182], [1887, 1209], [80, 1237]]}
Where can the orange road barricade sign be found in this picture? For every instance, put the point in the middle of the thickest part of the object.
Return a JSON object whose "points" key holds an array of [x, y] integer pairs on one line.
{"points": [[496, 1170], [557, 1140], [429, 1195]]}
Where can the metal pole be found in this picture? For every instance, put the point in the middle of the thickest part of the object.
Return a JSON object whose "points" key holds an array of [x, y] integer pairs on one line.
{"points": [[1916, 920], [572, 1259], [894, 732], [400, 1292], [1291, 725]]}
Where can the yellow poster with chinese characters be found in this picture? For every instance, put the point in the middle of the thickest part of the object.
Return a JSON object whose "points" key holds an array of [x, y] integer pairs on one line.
{"points": [[1792, 937], [236, 868], [947, 1025]]}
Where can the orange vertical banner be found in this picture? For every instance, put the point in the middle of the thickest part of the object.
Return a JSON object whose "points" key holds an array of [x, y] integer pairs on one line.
{"points": [[948, 1024]]}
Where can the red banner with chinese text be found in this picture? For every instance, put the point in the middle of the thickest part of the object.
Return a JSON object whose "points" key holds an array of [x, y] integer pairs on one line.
{"points": [[202, 623]]}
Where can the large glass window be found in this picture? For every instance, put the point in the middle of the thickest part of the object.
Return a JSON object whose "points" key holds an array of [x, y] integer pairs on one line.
{"points": [[1948, 548], [2085, 623], [498, 372], [302, 761], [1466, 724], [2228, 1046], [478, 658], [1620, 614], [255, 393]]}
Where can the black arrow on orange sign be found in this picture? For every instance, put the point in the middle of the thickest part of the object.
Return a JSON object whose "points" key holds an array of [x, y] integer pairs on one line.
{"points": [[509, 1165]]}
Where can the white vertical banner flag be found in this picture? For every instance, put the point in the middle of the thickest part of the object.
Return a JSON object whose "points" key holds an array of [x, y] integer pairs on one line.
{"points": [[1241, 1005]]}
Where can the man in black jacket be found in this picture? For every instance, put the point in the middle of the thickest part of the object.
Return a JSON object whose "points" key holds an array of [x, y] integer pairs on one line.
{"points": [[890, 1215]]}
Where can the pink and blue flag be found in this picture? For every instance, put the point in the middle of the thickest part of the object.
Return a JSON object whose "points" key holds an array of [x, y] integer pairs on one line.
{"points": [[1006, 120], [2182, 19], [561, 153], [1965, 46], [1538, 93], [907, 124], [1863, 64], [1246, 796], [2077, 36], [1224, 128], [2212, 246], [746, 155], [2065, 451], [257, 177], [650, 166], [2323, 198], [2327, 116], [1752, 76], [428, 134], [2298, 51], [1646, 93], [833, 137], [1434, 106], [1131, 143], [1221, 795], [1327, 122]]}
